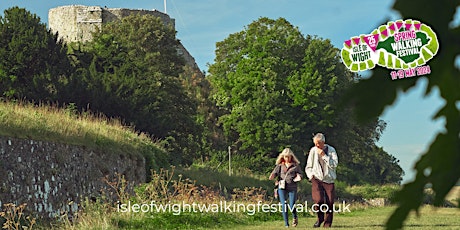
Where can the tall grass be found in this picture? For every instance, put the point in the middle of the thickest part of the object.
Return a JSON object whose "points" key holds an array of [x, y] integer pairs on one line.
{"points": [[172, 186], [66, 125], [373, 191], [224, 182], [167, 188]]}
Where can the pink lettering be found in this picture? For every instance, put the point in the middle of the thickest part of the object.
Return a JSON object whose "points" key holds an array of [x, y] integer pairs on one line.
{"points": [[405, 35]]}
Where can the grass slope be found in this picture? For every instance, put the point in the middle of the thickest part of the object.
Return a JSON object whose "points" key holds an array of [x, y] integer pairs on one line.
{"points": [[49, 123]]}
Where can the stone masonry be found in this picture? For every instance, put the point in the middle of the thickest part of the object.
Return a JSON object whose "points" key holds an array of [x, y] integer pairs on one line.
{"points": [[53, 178], [77, 23]]}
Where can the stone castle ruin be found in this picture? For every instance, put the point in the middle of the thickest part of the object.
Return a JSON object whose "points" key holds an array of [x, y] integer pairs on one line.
{"points": [[76, 23], [52, 178]]}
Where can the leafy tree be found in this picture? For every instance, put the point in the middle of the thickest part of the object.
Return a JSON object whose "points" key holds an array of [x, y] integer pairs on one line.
{"points": [[249, 79], [276, 87], [131, 70], [439, 165], [33, 63], [198, 87]]}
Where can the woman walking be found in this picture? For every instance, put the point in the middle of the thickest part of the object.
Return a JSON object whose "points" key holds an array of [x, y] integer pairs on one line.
{"points": [[287, 172]]}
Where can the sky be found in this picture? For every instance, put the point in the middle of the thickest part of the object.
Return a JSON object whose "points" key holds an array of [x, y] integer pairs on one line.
{"points": [[201, 23]]}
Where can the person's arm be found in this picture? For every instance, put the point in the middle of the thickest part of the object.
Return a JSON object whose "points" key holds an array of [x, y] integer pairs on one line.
{"points": [[309, 166], [331, 159], [275, 172], [298, 174]]}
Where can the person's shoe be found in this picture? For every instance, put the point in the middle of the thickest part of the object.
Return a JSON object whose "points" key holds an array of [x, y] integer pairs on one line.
{"points": [[317, 224], [295, 222]]}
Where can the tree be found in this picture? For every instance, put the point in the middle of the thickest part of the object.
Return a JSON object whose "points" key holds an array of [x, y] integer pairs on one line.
{"points": [[249, 77], [439, 165], [276, 87], [131, 70], [33, 63], [198, 87]]}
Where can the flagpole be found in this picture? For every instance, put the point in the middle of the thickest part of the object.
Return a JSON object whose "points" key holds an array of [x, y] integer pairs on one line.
{"points": [[165, 6]]}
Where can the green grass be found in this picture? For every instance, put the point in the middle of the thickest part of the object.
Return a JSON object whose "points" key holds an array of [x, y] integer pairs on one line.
{"points": [[223, 181], [49, 123], [373, 191], [192, 221], [375, 218], [359, 218]]}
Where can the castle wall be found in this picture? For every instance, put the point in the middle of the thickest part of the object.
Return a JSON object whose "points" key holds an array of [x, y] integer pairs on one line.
{"points": [[78, 23], [75, 23], [114, 14], [53, 178]]}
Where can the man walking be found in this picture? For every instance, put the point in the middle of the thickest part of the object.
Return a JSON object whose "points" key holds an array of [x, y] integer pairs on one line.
{"points": [[321, 171]]}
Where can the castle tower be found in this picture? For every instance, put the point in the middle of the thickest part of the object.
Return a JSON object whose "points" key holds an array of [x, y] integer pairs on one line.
{"points": [[77, 23]]}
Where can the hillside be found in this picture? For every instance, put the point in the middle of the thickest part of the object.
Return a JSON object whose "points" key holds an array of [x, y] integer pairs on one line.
{"points": [[49, 123]]}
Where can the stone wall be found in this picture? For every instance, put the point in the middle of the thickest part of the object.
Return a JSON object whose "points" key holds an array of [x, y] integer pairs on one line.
{"points": [[114, 14], [52, 178], [77, 22]]}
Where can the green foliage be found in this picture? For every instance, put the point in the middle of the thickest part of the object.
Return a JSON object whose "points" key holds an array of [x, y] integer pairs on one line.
{"points": [[33, 63], [371, 166], [250, 83], [439, 165], [198, 87], [373, 191], [275, 87], [131, 70], [221, 180]]}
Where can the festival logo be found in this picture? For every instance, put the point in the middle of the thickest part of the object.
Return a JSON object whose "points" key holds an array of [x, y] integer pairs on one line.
{"points": [[403, 46]]}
